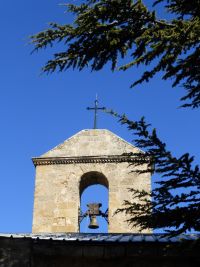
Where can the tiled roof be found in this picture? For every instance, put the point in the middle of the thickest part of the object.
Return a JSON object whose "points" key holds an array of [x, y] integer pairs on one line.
{"points": [[104, 237]]}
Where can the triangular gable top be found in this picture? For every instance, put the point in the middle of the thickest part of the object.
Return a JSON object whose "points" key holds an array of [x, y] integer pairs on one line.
{"points": [[93, 142]]}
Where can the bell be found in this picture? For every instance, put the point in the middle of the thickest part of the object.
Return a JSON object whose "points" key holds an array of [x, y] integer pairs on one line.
{"points": [[93, 222]]}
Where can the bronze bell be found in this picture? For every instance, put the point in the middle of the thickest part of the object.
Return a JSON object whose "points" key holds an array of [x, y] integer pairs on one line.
{"points": [[93, 222]]}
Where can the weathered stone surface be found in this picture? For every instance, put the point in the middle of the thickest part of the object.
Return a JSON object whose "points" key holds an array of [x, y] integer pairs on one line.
{"points": [[91, 143], [58, 186]]}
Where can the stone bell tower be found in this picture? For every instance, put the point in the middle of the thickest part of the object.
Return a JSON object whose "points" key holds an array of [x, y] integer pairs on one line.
{"points": [[89, 157]]}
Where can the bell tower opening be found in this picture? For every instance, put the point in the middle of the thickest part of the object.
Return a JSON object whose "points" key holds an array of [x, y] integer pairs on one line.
{"points": [[93, 194]]}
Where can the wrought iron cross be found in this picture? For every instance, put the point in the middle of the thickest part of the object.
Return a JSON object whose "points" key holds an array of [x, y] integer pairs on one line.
{"points": [[96, 108]]}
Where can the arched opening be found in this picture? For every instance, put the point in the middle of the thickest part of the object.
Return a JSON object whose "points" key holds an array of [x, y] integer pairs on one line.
{"points": [[93, 189]]}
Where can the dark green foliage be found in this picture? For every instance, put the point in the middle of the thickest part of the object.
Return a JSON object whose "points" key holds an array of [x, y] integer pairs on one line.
{"points": [[182, 7], [110, 30], [107, 31], [174, 203]]}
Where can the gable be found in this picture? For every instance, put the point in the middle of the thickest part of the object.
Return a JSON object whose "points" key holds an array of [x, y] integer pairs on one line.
{"points": [[93, 142]]}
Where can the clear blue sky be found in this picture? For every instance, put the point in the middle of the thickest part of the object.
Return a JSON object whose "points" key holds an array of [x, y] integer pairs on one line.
{"points": [[38, 112]]}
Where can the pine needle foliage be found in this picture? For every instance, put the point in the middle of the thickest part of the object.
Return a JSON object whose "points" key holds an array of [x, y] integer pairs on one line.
{"points": [[174, 203], [108, 31]]}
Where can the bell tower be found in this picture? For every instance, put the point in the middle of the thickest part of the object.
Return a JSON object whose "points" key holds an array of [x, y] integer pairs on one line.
{"points": [[95, 156]]}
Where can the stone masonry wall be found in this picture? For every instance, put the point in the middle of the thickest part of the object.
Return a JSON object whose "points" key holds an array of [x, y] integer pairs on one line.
{"points": [[57, 184], [57, 196]]}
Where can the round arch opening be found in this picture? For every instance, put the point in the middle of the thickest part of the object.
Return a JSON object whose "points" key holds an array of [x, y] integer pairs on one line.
{"points": [[92, 178]]}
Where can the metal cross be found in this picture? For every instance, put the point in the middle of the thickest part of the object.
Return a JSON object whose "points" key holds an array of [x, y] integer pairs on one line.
{"points": [[96, 108]]}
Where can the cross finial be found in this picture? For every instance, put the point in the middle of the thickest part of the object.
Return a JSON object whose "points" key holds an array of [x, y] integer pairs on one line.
{"points": [[96, 108]]}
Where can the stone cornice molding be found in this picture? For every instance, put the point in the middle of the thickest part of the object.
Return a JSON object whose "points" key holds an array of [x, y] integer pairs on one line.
{"points": [[82, 159]]}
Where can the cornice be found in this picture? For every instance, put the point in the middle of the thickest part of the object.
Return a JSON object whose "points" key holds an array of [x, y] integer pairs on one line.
{"points": [[82, 159]]}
